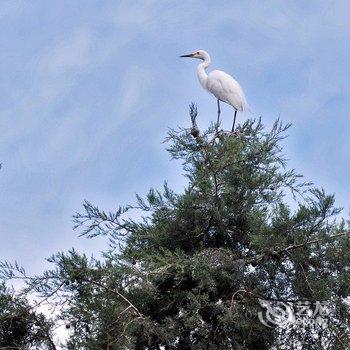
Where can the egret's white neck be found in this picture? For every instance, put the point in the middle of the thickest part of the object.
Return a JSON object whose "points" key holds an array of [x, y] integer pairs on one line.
{"points": [[202, 74]]}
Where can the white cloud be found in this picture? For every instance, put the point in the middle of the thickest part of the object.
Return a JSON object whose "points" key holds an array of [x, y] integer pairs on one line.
{"points": [[73, 52]]}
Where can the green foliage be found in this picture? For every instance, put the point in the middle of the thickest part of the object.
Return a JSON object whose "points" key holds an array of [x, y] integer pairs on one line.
{"points": [[189, 274], [20, 326]]}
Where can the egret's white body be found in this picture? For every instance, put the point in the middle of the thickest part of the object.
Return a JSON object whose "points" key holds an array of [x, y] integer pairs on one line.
{"points": [[226, 89], [220, 84]]}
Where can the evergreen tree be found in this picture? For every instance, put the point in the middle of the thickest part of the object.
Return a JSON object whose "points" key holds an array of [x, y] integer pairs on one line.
{"points": [[20, 326], [196, 270]]}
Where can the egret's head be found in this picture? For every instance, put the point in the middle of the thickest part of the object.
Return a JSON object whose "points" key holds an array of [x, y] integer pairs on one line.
{"points": [[200, 54]]}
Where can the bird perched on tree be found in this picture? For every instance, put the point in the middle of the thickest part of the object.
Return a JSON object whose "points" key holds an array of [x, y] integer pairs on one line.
{"points": [[220, 84]]}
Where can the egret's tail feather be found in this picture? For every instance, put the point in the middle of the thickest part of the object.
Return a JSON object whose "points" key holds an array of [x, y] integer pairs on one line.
{"points": [[246, 107]]}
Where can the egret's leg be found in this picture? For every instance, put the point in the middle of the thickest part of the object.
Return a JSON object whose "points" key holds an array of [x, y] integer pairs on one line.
{"points": [[234, 121], [219, 111]]}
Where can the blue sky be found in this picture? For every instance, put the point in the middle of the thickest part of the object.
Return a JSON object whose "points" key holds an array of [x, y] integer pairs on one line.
{"points": [[89, 88]]}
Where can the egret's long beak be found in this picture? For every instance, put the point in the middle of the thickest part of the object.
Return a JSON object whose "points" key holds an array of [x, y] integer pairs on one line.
{"points": [[190, 55]]}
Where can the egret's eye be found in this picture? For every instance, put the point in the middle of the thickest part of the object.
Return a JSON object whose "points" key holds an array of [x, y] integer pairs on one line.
{"points": [[197, 53]]}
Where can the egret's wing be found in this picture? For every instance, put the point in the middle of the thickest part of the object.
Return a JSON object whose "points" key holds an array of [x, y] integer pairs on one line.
{"points": [[227, 89], [214, 86]]}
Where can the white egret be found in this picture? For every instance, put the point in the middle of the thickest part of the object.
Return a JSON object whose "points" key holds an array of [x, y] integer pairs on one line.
{"points": [[220, 84]]}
